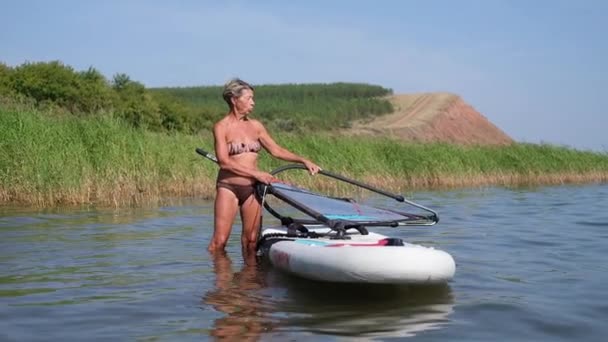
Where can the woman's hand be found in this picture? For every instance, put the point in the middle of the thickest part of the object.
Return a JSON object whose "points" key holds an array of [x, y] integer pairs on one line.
{"points": [[266, 178], [312, 167]]}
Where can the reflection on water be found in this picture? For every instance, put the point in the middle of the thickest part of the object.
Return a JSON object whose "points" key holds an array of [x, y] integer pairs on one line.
{"points": [[367, 310], [257, 301], [235, 295]]}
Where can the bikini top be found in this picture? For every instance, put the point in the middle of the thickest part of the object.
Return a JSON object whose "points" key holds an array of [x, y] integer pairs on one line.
{"points": [[238, 148]]}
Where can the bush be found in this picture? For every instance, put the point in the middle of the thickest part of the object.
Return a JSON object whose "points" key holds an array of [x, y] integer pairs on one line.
{"points": [[54, 84], [135, 105], [56, 88]]}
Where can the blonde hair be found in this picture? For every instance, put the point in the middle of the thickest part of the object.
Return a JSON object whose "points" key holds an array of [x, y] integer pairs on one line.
{"points": [[234, 88]]}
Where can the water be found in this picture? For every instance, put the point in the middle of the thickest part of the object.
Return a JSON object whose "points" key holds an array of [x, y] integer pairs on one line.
{"points": [[531, 266]]}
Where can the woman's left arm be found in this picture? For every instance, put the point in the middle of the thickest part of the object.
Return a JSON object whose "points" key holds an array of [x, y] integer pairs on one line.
{"points": [[279, 152]]}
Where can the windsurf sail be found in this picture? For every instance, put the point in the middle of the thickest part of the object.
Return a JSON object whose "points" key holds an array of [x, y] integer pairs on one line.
{"points": [[340, 213]]}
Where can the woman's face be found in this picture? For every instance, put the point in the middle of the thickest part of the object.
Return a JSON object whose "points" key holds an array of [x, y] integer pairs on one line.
{"points": [[244, 104]]}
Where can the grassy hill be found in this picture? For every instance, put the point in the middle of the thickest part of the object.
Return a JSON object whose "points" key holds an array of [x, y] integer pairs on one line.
{"points": [[294, 107]]}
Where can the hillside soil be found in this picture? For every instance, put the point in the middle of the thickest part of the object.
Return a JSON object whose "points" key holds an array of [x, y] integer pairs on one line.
{"points": [[433, 117]]}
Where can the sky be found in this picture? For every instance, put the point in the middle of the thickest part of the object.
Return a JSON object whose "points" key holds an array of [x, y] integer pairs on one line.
{"points": [[536, 69]]}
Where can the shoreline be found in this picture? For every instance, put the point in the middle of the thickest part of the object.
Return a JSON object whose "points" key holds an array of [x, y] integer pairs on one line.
{"points": [[141, 195]]}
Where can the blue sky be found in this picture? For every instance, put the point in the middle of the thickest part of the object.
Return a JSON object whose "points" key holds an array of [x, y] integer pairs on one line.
{"points": [[536, 69]]}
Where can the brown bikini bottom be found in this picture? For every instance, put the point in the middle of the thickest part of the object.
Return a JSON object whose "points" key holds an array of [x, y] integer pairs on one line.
{"points": [[242, 192]]}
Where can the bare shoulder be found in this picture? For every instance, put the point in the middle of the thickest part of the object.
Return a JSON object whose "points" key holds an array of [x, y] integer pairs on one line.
{"points": [[219, 125], [257, 124]]}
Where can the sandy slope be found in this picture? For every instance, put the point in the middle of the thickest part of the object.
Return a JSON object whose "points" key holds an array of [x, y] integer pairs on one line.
{"points": [[431, 117]]}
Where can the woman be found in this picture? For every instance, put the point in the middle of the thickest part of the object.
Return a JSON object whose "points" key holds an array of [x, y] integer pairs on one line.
{"points": [[238, 139]]}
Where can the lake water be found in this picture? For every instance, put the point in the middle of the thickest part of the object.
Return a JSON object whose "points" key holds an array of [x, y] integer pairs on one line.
{"points": [[532, 265]]}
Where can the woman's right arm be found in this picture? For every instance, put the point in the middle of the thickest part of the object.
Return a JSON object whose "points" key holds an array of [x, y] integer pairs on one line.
{"points": [[227, 163], [279, 152]]}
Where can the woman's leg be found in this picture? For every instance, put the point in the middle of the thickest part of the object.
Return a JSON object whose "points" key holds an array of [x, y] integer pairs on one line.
{"points": [[251, 217], [226, 206]]}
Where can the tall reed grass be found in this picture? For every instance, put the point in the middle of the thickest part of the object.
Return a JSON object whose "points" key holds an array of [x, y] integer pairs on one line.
{"points": [[401, 165], [49, 160]]}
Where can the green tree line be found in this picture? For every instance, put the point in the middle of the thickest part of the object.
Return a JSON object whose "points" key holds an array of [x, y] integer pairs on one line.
{"points": [[297, 107], [53, 85], [290, 107]]}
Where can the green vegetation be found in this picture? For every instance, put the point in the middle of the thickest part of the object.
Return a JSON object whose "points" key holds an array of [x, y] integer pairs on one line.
{"points": [[73, 137], [55, 89], [405, 166], [69, 160], [295, 107], [290, 107]]}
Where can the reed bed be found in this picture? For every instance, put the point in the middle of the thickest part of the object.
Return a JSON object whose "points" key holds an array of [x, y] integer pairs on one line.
{"points": [[62, 160], [55, 161]]}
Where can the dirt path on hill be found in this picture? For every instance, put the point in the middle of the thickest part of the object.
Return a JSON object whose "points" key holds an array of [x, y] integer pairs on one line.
{"points": [[432, 117]]}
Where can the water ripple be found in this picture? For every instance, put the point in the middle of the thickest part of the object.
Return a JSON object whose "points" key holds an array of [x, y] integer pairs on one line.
{"points": [[529, 261]]}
